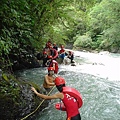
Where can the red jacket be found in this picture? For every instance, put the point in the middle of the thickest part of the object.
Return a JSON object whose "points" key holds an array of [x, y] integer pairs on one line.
{"points": [[71, 105]]}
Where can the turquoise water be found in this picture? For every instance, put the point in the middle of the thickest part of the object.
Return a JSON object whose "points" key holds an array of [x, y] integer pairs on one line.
{"points": [[100, 89]]}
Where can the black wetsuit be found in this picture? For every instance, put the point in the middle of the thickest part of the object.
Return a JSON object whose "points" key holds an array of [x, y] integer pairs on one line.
{"points": [[77, 117]]}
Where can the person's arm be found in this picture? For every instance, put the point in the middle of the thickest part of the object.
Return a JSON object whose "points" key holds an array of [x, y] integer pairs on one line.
{"points": [[47, 63], [55, 96], [47, 81]]}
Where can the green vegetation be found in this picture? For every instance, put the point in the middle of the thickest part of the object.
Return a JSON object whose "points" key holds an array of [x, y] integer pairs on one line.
{"points": [[9, 88], [9, 96], [26, 25], [102, 26]]}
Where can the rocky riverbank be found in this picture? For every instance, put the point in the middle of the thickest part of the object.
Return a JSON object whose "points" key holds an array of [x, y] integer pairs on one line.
{"points": [[17, 100]]}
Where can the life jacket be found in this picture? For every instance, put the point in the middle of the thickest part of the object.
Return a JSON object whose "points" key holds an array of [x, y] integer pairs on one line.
{"points": [[61, 51], [56, 66], [72, 92]]}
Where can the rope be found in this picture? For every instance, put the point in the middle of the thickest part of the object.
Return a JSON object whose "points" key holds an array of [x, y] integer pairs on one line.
{"points": [[38, 105]]}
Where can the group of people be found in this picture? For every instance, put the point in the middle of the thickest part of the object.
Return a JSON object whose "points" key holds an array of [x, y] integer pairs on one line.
{"points": [[51, 52], [52, 79]]}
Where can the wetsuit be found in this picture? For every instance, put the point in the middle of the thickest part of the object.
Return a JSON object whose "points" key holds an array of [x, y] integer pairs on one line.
{"points": [[55, 47], [71, 106], [71, 57]]}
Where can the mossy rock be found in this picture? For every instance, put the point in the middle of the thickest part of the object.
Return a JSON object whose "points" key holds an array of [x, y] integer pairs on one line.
{"points": [[16, 98], [5, 77]]}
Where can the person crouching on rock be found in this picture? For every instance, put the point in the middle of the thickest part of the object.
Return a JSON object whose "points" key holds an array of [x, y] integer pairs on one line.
{"points": [[70, 103], [71, 56]]}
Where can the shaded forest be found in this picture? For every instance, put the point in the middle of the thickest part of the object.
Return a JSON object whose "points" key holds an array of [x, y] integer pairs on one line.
{"points": [[26, 26]]}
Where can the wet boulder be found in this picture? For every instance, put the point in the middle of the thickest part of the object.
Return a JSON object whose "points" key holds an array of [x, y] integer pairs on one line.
{"points": [[17, 100]]}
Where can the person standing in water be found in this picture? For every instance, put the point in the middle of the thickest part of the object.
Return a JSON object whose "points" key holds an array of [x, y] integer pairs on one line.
{"points": [[45, 58], [49, 79], [52, 63], [70, 103]]}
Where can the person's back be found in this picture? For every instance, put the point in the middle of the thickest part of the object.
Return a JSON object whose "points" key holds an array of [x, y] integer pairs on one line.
{"points": [[71, 105]]}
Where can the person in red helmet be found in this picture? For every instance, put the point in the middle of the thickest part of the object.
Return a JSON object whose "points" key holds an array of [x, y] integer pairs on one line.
{"points": [[70, 103], [45, 58], [52, 63], [71, 56], [48, 80]]}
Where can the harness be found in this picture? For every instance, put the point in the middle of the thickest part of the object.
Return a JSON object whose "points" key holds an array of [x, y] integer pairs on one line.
{"points": [[72, 92]]}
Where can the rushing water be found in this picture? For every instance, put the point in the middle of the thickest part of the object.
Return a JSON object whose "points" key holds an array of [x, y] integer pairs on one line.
{"points": [[96, 76]]}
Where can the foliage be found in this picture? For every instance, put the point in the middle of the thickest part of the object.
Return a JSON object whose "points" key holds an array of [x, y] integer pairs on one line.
{"points": [[26, 25], [9, 87], [83, 41], [101, 22], [104, 22]]}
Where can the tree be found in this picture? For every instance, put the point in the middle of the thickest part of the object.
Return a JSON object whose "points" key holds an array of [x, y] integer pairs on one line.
{"points": [[104, 24]]}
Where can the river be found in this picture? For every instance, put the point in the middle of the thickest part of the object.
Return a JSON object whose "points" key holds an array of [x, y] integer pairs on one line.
{"points": [[96, 76]]}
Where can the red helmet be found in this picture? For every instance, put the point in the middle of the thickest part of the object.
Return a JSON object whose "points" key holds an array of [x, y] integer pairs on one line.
{"points": [[59, 81], [70, 52], [44, 52], [50, 57], [51, 69]]}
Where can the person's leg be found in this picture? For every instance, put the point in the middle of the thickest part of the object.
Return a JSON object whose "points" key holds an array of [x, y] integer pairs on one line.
{"points": [[62, 56], [72, 59]]}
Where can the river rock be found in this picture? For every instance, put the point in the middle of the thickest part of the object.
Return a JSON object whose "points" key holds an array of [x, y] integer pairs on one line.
{"points": [[17, 100]]}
